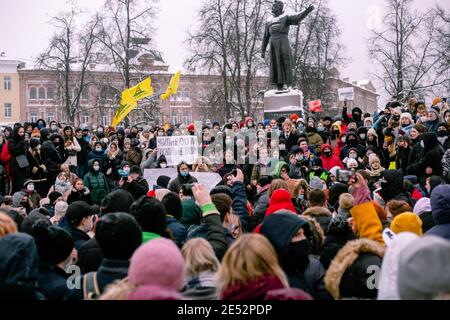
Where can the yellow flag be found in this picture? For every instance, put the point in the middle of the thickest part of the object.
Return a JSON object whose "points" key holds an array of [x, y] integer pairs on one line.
{"points": [[142, 90], [127, 104], [173, 86]]}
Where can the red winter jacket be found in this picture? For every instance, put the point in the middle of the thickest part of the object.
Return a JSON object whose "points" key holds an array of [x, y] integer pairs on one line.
{"points": [[6, 157], [333, 161]]}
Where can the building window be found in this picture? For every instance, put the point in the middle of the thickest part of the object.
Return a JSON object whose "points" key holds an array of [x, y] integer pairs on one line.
{"points": [[186, 96], [34, 116], [187, 117], [50, 93], [85, 118], [105, 120], [50, 117], [33, 93], [85, 93], [41, 93], [8, 110], [7, 83]]}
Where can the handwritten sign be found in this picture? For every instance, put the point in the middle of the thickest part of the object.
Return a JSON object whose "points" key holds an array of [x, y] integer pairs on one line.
{"points": [[346, 94], [208, 179], [178, 148]]}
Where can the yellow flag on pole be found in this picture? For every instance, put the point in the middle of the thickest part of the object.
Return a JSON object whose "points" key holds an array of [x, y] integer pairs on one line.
{"points": [[142, 90], [173, 86], [127, 104]]}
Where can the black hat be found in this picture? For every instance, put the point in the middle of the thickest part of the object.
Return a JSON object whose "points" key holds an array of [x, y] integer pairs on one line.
{"points": [[135, 142], [316, 162], [31, 219], [119, 200], [79, 210], [54, 244], [135, 169], [163, 181], [53, 196], [34, 143], [221, 189]]}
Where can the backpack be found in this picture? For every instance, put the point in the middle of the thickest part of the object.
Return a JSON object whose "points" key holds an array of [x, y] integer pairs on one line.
{"points": [[91, 290]]}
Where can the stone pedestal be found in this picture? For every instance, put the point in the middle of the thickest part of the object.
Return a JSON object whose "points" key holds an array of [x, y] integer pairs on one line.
{"points": [[279, 104]]}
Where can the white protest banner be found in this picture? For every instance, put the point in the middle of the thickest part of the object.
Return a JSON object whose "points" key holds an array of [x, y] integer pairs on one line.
{"points": [[346, 94], [208, 179], [177, 149]]}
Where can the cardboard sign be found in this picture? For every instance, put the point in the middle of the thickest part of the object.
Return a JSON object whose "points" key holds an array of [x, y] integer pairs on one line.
{"points": [[346, 94], [208, 179], [178, 148]]}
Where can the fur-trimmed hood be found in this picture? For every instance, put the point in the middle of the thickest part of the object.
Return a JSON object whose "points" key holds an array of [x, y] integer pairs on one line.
{"points": [[321, 215], [345, 259], [317, 237]]}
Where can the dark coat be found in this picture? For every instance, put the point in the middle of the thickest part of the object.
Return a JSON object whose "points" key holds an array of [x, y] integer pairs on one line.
{"points": [[51, 158], [18, 147], [83, 195], [52, 282], [85, 149], [89, 256], [178, 230], [110, 271], [176, 184], [137, 188], [79, 237], [440, 208], [291, 141], [96, 183], [191, 213], [261, 204], [239, 204]]}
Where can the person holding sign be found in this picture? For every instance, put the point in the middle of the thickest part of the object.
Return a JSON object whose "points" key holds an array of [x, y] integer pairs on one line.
{"points": [[182, 178]]}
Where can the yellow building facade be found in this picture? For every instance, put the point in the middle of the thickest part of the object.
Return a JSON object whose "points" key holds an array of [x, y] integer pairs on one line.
{"points": [[9, 91]]}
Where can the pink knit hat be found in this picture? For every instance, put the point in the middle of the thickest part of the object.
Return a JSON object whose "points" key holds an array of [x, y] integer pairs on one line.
{"points": [[157, 269]]}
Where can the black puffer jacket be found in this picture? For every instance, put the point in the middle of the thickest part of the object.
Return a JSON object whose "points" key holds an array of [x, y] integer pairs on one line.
{"points": [[176, 184], [280, 228], [392, 188]]}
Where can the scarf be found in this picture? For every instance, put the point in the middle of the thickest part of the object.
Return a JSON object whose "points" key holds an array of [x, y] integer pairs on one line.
{"points": [[62, 187], [375, 172], [255, 289]]}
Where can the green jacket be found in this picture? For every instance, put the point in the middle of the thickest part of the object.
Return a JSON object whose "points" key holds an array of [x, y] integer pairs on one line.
{"points": [[279, 166], [96, 183], [147, 236], [315, 140], [191, 213]]}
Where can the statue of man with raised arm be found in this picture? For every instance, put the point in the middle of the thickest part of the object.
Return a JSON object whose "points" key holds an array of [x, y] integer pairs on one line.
{"points": [[276, 34]]}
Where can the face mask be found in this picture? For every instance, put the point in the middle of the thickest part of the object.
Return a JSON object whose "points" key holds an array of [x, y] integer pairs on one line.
{"points": [[301, 127], [184, 173], [424, 119], [299, 158], [54, 127], [282, 147], [362, 136], [320, 129], [98, 149], [353, 156], [297, 257], [163, 165], [301, 197], [100, 130], [351, 142], [126, 170], [96, 168], [442, 133], [327, 153], [343, 140], [30, 188]]}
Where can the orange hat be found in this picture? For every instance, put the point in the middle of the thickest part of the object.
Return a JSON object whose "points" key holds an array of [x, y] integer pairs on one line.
{"points": [[436, 101], [191, 127], [294, 117], [407, 222]]}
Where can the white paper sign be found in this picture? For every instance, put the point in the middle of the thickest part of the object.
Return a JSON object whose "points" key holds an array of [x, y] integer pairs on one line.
{"points": [[178, 148], [210, 180], [346, 93]]}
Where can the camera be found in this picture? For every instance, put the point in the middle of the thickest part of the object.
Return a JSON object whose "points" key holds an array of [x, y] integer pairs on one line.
{"points": [[344, 176]]}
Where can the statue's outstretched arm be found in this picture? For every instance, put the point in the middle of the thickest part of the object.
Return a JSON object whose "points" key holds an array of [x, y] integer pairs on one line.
{"points": [[265, 41], [297, 18]]}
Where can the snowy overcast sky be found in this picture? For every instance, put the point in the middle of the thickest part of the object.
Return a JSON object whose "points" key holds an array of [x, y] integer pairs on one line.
{"points": [[24, 28]]}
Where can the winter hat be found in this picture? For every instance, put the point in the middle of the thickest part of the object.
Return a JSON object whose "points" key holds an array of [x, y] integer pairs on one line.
{"points": [[266, 122], [61, 208], [157, 269], [388, 289], [436, 101], [315, 183], [191, 127], [77, 211], [36, 133], [372, 132], [407, 222], [31, 219], [117, 201], [424, 264], [280, 200], [294, 117], [54, 244], [434, 111], [406, 115], [373, 158], [27, 182], [334, 170], [53, 196], [135, 169], [440, 204], [16, 198], [423, 205], [163, 181], [368, 119], [350, 162], [34, 143], [300, 120], [336, 190]]}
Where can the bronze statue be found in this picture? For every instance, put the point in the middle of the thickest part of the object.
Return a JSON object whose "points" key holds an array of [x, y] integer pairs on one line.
{"points": [[276, 33]]}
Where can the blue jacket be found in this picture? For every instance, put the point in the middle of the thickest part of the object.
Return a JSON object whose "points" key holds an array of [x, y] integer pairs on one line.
{"points": [[440, 209], [239, 204], [178, 230]]}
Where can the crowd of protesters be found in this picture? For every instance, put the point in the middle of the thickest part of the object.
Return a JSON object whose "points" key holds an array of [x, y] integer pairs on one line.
{"points": [[351, 207]]}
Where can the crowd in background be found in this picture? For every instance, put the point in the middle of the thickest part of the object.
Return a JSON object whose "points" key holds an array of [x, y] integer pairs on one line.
{"points": [[328, 204]]}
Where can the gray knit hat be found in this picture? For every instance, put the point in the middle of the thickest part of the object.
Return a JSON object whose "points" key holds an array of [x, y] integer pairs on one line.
{"points": [[423, 269], [16, 198]]}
